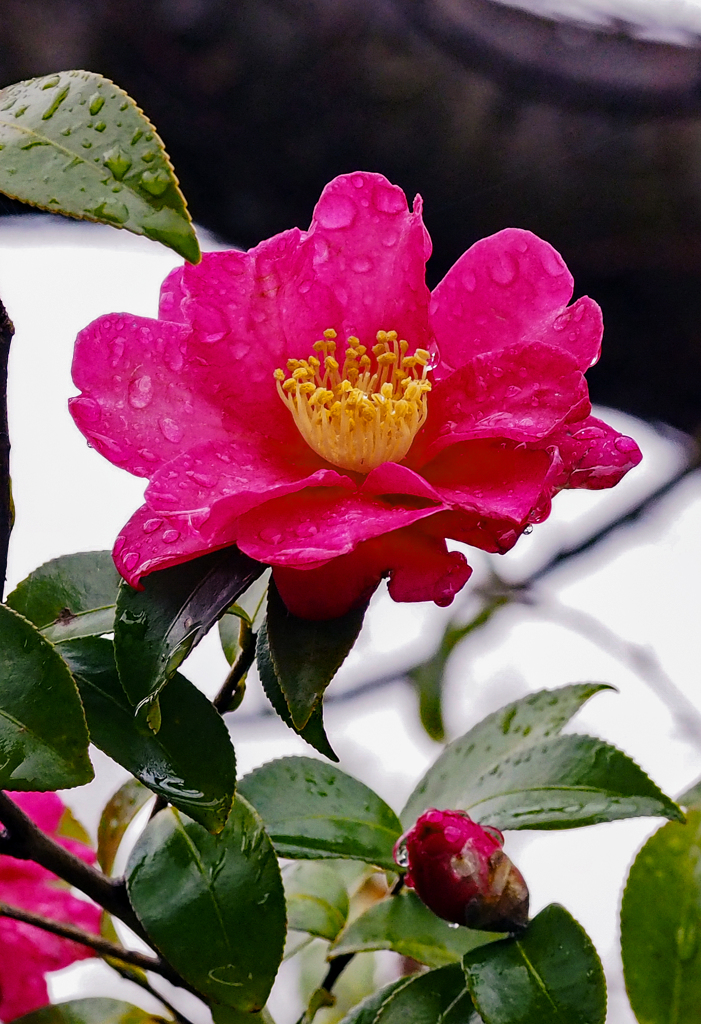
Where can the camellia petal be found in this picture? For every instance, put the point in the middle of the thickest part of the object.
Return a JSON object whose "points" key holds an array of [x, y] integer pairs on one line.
{"points": [[306, 401]]}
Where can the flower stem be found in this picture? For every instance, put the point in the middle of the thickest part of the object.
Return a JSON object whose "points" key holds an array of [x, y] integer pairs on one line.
{"points": [[6, 511], [231, 693]]}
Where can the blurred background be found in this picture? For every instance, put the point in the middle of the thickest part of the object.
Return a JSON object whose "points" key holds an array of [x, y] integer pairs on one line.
{"points": [[577, 119]]}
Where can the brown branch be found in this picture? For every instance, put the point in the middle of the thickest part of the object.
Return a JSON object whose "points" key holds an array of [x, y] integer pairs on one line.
{"points": [[6, 510], [226, 700]]}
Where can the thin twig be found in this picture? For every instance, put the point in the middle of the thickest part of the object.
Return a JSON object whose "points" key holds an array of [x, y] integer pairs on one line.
{"points": [[6, 514], [224, 698], [68, 931]]}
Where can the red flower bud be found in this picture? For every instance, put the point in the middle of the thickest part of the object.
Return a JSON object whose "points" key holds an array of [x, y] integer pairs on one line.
{"points": [[461, 873]]}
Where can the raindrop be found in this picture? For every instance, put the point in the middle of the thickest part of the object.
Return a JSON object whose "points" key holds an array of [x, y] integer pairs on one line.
{"points": [[503, 269], [205, 479], [97, 102], [140, 392], [112, 210], [170, 536], [389, 239], [552, 262], [400, 855], [497, 371], [560, 322], [528, 529], [155, 182], [304, 287], [361, 264], [453, 924], [100, 126], [117, 161], [148, 156], [357, 179], [389, 200], [88, 408], [336, 211], [50, 83], [512, 391], [57, 101], [136, 136], [469, 279], [171, 430], [130, 560], [272, 536], [625, 444]]}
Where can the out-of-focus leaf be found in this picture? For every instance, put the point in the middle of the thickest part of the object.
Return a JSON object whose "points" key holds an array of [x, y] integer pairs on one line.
{"points": [[228, 1015], [43, 736], [406, 925], [313, 732], [437, 997], [548, 975], [250, 608], [312, 810], [691, 797], [70, 828], [317, 899], [213, 905], [156, 628], [427, 678], [90, 1011], [661, 925], [190, 761], [70, 596], [118, 814], [307, 654], [75, 143]]}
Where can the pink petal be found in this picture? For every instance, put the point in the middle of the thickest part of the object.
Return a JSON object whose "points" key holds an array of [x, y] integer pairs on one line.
{"points": [[522, 394], [147, 397], [371, 252], [318, 524], [151, 541], [594, 455], [45, 809], [419, 566], [391, 478], [222, 482], [172, 297], [511, 286]]}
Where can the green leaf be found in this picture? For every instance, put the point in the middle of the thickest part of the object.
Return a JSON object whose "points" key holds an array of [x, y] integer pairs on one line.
{"points": [[213, 905], [504, 779], [313, 732], [156, 628], [250, 608], [312, 810], [43, 736], [404, 924], [306, 655], [691, 797], [317, 899], [661, 926], [90, 1011], [190, 761], [118, 814], [74, 143], [427, 678], [70, 596], [437, 997], [508, 731], [549, 975], [228, 1015]]}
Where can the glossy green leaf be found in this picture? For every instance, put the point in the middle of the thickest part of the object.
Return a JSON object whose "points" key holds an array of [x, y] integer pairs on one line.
{"points": [[427, 678], [506, 732], [228, 1015], [551, 974], [312, 810], [90, 1011], [307, 654], [43, 736], [437, 997], [313, 732], [213, 905], [70, 596], [404, 924], [317, 899], [118, 814], [661, 926], [190, 760], [156, 628], [74, 143]]}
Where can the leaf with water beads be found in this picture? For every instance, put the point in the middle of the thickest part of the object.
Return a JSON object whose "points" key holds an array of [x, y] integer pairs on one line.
{"points": [[75, 143]]}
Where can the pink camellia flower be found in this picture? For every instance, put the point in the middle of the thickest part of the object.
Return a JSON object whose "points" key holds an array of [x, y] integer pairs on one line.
{"points": [[313, 403], [461, 873], [28, 953]]}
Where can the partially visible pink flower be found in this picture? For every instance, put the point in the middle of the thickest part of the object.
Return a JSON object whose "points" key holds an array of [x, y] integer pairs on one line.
{"points": [[313, 403], [461, 873], [26, 952]]}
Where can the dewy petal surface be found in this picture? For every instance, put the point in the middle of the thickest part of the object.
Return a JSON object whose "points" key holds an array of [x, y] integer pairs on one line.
{"points": [[511, 285], [594, 455]]}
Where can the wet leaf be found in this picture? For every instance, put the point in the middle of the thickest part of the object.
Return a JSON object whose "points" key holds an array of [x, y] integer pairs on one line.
{"points": [[317, 899], [75, 143], [118, 814], [197, 895], [437, 997], [548, 975], [43, 736], [70, 596], [157, 627], [250, 608], [190, 760], [307, 654], [661, 925], [404, 924], [312, 810], [90, 1011], [313, 732]]}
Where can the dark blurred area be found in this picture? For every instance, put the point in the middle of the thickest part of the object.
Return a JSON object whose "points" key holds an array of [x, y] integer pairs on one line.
{"points": [[592, 139]]}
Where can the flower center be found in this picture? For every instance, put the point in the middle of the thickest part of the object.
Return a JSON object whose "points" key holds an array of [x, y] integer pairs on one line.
{"points": [[365, 413]]}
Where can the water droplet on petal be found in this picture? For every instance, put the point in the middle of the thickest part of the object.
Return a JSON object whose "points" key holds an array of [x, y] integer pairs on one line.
{"points": [[503, 269], [170, 536], [358, 180], [528, 529], [304, 286], [205, 479], [151, 525], [361, 264], [389, 200], [147, 455], [171, 430], [560, 322], [625, 444], [119, 543], [552, 262], [400, 855], [130, 560], [469, 279], [271, 536], [497, 371], [88, 408], [140, 392], [335, 211], [512, 391]]}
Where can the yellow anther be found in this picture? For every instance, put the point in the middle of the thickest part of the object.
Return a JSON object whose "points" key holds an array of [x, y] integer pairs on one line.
{"points": [[381, 335], [403, 346], [387, 391], [320, 346], [365, 362], [386, 359], [279, 375], [289, 385], [313, 361], [330, 334], [330, 363], [422, 356], [391, 335], [345, 387], [292, 364], [301, 373], [307, 388]]}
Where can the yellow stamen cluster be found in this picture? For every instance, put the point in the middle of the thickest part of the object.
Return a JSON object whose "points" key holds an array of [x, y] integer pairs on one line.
{"points": [[364, 413]]}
